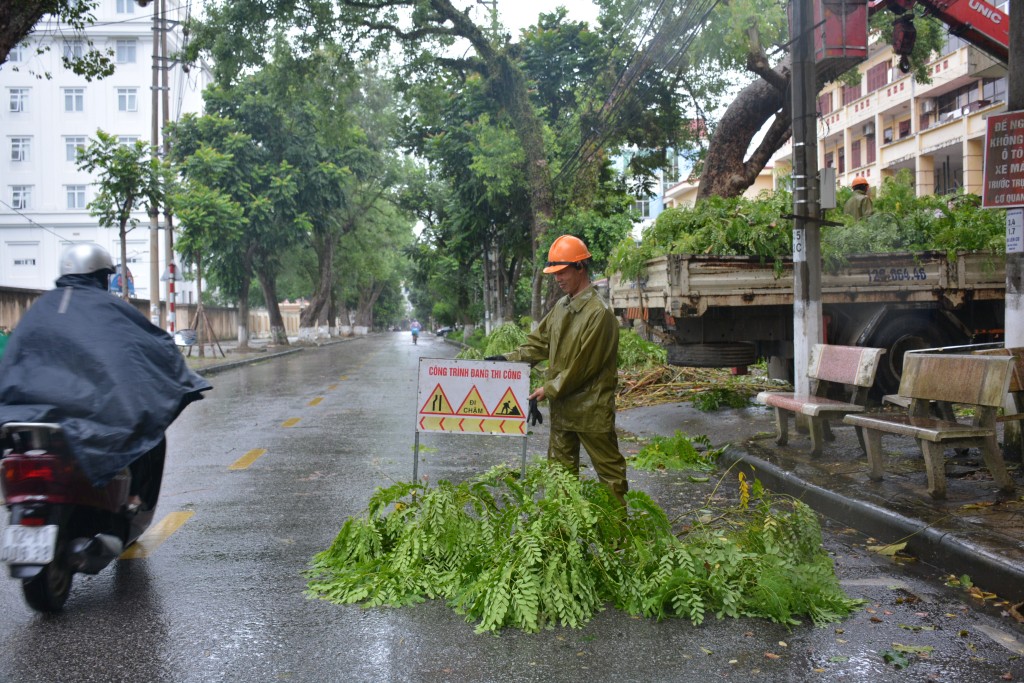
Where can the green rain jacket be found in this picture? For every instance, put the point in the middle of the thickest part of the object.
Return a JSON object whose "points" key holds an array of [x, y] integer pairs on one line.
{"points": [[859, 205], [580, 340]]}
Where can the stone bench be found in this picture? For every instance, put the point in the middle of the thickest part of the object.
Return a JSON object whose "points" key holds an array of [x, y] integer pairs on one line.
{"points": [[849, 370], [978, 381]]}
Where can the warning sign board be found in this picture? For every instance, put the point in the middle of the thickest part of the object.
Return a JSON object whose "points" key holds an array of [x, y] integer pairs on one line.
{"points": [[472, 396]]}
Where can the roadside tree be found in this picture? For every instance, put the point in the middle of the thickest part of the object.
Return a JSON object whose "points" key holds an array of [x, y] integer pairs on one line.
{"points": [[129, 178]]}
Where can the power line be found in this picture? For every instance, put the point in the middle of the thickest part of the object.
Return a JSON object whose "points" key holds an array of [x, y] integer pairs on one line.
{"points": [[29, 219], [695, 16]]}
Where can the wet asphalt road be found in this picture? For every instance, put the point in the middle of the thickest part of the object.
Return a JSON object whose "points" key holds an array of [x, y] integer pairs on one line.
{"points": [[222, 598]]}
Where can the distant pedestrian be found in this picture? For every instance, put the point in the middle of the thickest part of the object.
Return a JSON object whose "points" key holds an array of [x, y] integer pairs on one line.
{"points": [[859, 205]]}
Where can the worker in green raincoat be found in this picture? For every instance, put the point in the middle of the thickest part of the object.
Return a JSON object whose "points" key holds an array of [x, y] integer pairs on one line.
{"points": [[579, 338]]}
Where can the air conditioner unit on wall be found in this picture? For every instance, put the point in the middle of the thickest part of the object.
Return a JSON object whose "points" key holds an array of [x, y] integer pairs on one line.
{"points": [[928, 106], [868, 129]]}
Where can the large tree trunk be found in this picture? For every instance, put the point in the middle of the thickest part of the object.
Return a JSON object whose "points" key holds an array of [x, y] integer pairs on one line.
{"points": [[200, 316], [313, 313], [508, 84], [727, 172], [278, 332], [367, 299], [17, 18], [243, 317]]}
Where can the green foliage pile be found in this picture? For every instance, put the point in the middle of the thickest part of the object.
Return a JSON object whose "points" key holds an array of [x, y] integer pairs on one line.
{"points": [[677, 452], [901, 222], [636, 353], [710, 400], [548, 549]]}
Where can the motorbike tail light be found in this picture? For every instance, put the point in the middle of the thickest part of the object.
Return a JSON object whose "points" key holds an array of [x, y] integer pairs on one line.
{"points": [[27, 470], [33, 521], [33, 474]]}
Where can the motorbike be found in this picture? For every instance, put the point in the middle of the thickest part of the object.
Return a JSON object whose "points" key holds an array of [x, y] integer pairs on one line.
{"points": [[60, 524]]}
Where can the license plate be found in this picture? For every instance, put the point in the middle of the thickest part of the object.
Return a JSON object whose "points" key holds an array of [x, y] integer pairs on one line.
{"points": [[28, 544]]}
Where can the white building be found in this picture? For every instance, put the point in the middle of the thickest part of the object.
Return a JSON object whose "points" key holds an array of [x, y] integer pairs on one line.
{"points": [[44, 119]]}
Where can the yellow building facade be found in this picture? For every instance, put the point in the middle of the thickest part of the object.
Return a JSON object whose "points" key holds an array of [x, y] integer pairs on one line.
{"points": [[890, 122]]}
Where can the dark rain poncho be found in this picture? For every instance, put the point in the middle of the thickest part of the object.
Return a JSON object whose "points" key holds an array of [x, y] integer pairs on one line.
{"points": [[94, 364]]}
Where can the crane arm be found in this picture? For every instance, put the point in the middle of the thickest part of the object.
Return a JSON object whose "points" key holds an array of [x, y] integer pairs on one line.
{"points": [[976, 21]]}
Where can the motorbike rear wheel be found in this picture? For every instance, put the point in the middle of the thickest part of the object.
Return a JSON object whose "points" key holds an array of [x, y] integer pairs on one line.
{"points": [[48, 590]]}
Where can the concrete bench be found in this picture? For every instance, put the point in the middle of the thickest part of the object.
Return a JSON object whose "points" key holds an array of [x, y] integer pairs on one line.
{"points": [[947, 380], [832, 368]]}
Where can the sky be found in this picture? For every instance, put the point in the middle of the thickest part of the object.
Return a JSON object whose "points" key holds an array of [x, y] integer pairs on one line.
{"points": [[518, 14]]}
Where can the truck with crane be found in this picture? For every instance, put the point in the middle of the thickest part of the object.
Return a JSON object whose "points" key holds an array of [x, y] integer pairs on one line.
{"points": [[729, 311]]}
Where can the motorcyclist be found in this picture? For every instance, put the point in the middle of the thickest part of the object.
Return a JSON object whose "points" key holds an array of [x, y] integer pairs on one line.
{"points": [[96, 365], [415, 328]]}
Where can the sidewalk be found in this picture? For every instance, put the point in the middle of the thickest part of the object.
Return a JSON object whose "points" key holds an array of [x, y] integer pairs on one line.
{"points": [[975, 531], [259, 350]]}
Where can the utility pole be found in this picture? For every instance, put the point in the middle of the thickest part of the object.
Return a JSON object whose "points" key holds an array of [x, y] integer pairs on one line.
{"points": [[807, 327], [169, 318], [154, 211]]}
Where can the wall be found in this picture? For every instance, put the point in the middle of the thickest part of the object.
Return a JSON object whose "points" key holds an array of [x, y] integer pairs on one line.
{"points": [[224, 322]]}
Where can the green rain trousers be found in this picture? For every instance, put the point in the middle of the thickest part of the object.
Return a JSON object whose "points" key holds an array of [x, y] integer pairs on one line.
{"points": [[580, 340]]}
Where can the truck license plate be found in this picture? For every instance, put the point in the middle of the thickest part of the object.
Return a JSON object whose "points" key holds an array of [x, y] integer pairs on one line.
{"points": [[28, 544]]}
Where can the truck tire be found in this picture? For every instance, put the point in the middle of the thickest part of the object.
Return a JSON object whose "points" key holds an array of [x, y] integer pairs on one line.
{"points": [[900, 334], [717, 355]]}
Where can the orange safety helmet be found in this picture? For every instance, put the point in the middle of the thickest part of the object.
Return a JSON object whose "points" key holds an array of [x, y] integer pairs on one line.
{"points": [[566, 251], [858, 181]]}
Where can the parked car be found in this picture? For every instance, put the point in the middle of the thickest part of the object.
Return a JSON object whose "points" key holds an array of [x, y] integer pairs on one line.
{"points": [[443, 331]]}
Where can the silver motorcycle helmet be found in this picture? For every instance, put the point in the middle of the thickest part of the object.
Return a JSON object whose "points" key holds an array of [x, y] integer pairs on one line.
{"points": [[83, 259]]}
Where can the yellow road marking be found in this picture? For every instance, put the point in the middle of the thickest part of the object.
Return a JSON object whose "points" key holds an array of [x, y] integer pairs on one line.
{"points": [[316, 401], [332, 387], [343, 377], [156, 535], [291, 422], [247, 459]]}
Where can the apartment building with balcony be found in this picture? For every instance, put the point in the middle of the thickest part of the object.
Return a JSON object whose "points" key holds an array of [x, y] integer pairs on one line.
{"points": [[890, 121], [47, 113]]}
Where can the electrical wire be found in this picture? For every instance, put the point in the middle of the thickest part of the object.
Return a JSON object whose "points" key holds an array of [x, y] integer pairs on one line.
{"points": [[653, 52], [30, 220]]}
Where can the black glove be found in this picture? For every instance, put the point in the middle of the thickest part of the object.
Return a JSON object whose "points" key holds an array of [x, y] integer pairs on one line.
{"points": [[534, 417], [495, 358]]}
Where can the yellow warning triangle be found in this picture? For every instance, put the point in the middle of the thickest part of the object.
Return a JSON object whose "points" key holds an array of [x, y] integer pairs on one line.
{"points": [[508, 406], [473, 405], [438, 403]]}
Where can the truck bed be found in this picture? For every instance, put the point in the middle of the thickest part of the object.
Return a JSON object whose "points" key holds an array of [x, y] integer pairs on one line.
{"points": [[687, 285]]}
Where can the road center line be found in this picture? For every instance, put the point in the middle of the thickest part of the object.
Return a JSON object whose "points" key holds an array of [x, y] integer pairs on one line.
{"points": [[156, 535], [316, 401], [291, 422], [247, 459]]}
